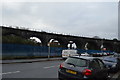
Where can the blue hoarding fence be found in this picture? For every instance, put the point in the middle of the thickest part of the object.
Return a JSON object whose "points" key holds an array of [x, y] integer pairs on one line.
{"points": [[92, 51], [29, 50], [21, 50]]}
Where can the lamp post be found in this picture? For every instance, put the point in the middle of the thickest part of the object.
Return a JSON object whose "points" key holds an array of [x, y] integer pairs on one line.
{"points": [[115, 44], [48, 50], [101, 47], [49, 45]]}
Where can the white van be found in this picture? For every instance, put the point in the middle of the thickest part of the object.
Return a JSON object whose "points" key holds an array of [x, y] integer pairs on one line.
{"points": [[69, 52]]}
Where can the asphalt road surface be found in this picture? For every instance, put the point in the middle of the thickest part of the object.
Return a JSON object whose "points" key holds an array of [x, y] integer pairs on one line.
{"points": [[47, 69]]}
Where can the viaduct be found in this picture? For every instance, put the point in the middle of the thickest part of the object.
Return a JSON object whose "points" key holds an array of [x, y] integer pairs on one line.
{"points": [[93, 43]]}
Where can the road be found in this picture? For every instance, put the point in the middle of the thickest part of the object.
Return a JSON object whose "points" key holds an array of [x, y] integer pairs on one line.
{"points": [[47, 69]]}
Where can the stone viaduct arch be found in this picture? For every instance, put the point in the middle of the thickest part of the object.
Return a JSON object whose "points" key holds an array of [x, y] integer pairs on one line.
{"points": [[93, 44]]}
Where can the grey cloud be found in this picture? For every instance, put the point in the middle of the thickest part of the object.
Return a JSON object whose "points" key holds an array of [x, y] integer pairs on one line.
{"points": [[83, 18]]}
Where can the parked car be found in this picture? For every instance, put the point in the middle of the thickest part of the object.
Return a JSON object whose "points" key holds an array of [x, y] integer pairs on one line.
{"points": [[112, 62], [108, 54], [97, 54], [117, 55], [100, 54], [111, 53], [104, 53], [82, 67], [85, 54]]}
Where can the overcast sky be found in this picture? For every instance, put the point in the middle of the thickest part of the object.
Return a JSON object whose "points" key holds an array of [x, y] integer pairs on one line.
{"points": [[85, 19]]}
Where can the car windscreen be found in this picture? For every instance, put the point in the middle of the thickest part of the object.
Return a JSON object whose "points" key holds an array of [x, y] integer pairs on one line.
{"points": [[114, 60], [77, 62]]}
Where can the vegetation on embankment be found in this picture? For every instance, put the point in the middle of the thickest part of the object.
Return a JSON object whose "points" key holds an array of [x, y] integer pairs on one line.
{"points": [[17, 40], [13, 39]]}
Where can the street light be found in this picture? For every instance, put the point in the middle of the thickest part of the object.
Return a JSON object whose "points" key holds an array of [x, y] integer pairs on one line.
{"points": [[49, 46], [48, 50], [115, 44], [49, 43], [101, 47]]}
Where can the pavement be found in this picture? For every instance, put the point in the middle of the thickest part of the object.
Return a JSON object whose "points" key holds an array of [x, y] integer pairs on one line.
{"points": [[31, 60], [28, 60]]}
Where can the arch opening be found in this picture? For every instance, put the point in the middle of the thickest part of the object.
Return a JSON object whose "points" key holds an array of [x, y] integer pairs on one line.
{"points": [[91, 46], [54, 43], [35, 41], [71, 45]]}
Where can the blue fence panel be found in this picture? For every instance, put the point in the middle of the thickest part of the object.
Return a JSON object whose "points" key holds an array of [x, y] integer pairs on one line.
{"points": [[56, 51], [91, 51], [29, 50]]}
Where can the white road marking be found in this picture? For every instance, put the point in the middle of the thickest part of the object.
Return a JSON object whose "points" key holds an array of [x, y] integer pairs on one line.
{"points": [[48, 67], [51, 67], [9, 72]]}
